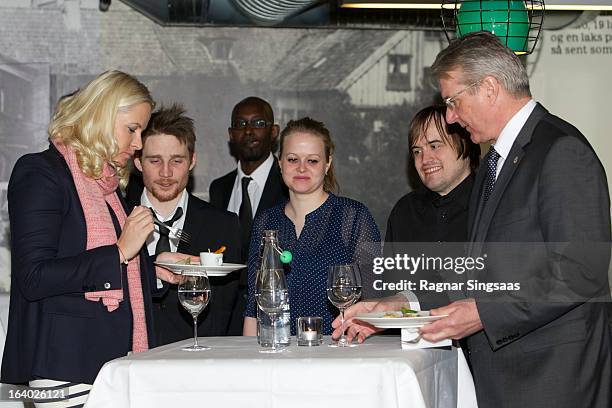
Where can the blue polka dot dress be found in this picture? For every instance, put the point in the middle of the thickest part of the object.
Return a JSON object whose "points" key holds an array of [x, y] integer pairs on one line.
{"points": [[340, 231]]}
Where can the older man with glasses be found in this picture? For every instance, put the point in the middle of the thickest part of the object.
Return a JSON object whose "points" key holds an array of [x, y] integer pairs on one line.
{"points": [[539, 217], [540, 213]]}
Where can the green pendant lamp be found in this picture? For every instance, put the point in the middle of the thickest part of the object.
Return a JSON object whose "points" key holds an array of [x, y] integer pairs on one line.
{"points": [[517, 23]]}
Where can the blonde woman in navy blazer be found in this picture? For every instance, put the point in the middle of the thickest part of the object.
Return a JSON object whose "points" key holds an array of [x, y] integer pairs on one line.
{"points": [[55, 335]]}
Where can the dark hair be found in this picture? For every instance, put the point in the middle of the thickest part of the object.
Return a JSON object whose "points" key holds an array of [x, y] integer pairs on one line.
{"points": [[172, 121], [254, 100], [315, 128], [453, 135]]}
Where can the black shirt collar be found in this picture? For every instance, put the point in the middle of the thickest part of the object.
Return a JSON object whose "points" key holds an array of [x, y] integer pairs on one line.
{"points": [[460, 195]]}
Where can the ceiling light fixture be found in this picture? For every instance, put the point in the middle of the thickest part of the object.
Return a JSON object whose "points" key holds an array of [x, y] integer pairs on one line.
{"points": [[553, 5], [517, 23], [391, 4]]}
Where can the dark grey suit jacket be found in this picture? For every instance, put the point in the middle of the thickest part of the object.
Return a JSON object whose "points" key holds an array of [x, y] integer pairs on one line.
{"points": [[546, 226]]}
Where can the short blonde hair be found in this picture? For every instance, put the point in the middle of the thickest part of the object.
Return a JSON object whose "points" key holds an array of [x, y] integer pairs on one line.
{"points": [[85, 120]]}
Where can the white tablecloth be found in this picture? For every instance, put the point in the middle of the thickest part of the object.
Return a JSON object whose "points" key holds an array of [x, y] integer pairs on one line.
{"points": [[234, 374]]}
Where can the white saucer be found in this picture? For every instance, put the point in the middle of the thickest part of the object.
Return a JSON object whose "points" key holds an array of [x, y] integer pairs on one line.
{"points": [[194, 269]]}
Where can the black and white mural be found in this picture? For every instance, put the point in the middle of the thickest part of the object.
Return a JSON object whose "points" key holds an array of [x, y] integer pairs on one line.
{"points": [[364, 84]]}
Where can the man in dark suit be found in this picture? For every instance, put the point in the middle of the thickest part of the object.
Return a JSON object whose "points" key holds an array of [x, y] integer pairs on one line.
{"points": [[540, 214], [253, 137], [166, 159]]}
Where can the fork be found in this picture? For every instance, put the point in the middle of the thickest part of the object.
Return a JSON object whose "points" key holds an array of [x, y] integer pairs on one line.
{"points": [[176, 232]]}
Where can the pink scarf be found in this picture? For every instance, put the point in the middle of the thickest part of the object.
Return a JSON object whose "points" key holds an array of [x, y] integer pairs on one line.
{"points": [[94, 194]]}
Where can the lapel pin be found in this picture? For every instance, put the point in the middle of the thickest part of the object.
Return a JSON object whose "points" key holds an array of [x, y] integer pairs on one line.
{"points": [[515, 159]]}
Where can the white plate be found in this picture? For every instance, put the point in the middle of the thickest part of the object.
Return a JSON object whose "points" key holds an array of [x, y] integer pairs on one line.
{"points": [[193, 269], [377, 320]]}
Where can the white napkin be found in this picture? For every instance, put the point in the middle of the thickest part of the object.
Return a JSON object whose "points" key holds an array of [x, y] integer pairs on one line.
{"points": [[412, 333]]}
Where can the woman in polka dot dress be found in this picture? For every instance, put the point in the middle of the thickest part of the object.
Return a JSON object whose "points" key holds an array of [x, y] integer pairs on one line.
{"points": [[318, 227]]}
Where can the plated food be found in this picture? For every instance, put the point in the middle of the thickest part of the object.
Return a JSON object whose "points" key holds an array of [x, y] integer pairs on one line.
{"points": [[403, 312], [398, 319], [186, 261]]}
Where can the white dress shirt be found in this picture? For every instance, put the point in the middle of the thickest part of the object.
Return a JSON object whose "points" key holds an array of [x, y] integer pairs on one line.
{"points": [[255, 188], [154, 237], [510, 132]]}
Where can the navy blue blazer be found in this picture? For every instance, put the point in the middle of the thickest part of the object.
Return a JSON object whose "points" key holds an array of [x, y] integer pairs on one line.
{"points": [[53, 332]]}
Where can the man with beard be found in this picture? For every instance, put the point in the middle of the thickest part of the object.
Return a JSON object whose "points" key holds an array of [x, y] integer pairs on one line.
{"points": [[252, 139], [166, 159]]}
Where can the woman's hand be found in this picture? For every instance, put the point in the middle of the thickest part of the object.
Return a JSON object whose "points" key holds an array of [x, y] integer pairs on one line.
{"points": [[172, 257], [176, 257], [137, 227]]}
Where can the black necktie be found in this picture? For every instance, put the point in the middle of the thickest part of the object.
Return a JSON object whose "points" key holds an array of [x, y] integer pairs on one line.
{"points": [[163, 244], [245, 214], [491, 159]]}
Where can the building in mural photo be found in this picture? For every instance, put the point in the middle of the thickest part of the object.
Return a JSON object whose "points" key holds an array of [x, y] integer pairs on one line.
{"points": [[365, 84]]}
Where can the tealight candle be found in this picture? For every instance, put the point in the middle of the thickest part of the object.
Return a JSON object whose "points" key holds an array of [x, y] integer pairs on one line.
{"points": [[309, 331], [310, 335]]}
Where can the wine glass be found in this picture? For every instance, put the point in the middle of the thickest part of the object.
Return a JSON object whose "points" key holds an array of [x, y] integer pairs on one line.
{"points": [[194, 294], [272, 296], [343, 289]]}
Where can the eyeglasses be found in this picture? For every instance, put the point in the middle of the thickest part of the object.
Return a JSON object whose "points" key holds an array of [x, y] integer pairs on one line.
{"points": [[253, 123], [450, 101]]}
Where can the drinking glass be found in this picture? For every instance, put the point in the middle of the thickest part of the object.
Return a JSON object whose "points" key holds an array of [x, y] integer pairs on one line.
{"points": [[272, 296], [343, 289], [194, 294]]}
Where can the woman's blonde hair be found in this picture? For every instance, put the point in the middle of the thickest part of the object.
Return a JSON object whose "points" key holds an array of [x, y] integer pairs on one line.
{"points": [[85, 120]]}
